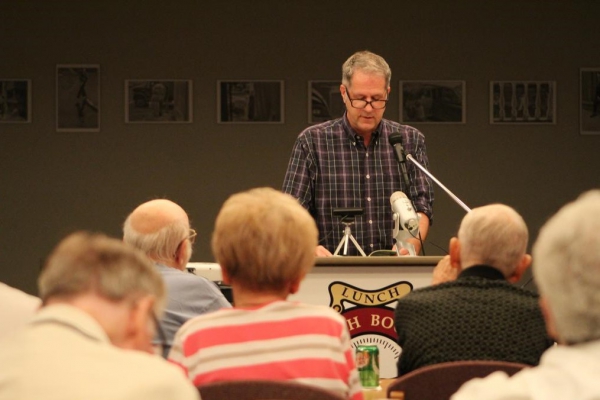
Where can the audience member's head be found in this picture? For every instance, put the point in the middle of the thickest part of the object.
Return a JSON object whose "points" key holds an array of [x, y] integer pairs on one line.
{"points": [[161, 229], [113, 282], [567, 270], [264, 241], [493, 235]]}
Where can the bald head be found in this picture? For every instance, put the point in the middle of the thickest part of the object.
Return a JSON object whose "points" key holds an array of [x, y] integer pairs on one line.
{"points": [[495, 235], [158, 227], [154, 215]]}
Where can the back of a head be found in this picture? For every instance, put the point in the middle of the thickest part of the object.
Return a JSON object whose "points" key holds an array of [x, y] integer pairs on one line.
{"points": [[566, 266], [495, 235], [264, 239], [367, 62], [156, 227], [94, 263]]}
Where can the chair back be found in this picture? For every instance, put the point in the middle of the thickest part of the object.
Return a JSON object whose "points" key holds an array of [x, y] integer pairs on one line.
{"points": [[264, 390], [440, 381]]}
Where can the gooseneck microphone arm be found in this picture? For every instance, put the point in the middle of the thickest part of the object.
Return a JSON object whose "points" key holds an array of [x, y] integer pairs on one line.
{"points": [[452, 195]]}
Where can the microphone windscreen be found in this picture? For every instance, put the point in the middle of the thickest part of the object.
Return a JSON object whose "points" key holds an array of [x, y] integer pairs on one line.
{"points": [[395, 138], [395, 196]]}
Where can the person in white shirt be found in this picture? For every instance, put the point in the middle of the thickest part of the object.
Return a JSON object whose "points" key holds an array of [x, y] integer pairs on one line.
{"points": [[16, 309], [92, 338], [566, 266]]}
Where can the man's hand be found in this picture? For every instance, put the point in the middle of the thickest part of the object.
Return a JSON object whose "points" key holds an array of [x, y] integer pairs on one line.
{"points": [[444, 272], [321, 251]]}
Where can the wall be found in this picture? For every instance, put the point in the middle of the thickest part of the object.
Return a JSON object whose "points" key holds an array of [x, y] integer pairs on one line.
{"points": [[52, 183]]}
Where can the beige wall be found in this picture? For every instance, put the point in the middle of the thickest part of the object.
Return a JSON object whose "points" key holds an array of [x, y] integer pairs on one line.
{"points": [[52, 183]]}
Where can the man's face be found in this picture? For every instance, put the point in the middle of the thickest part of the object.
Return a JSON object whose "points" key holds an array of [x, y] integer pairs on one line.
{"points": [[365, 87]]}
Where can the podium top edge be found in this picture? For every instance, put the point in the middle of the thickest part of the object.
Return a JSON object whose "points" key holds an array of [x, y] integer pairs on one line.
{"points": [[379, 261]]}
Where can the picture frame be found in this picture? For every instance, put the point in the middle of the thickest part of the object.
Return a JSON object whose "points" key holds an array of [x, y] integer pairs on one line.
{"points": [[523, 102], [165, 101], [78, 98], [250, 101], [433, 102], [589, 101], [325, 101], [15, 101]]}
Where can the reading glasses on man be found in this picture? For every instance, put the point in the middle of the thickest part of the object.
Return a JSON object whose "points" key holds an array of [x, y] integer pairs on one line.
{"points": [[192, 236], [360, 103]]}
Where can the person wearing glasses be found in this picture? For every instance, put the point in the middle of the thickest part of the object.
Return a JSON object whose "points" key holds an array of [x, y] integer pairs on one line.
{"points": [[92, 338], [161, 229], [349, 163]]}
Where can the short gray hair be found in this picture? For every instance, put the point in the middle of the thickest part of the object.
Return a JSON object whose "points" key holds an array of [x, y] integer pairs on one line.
{"points": [[566, 267], [367, 62], [495, 234], [84, 262], [160, 245]]}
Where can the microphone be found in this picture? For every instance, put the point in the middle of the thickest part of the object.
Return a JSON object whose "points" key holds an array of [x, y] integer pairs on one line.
{"points": [[395, 140], [404, 213]]}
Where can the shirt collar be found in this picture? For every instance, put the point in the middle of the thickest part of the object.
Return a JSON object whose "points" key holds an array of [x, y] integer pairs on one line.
{"points": [[355, 137], [482, 271], [71, 317]]}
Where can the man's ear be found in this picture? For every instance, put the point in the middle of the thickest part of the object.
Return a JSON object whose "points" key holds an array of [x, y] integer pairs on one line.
{"points": [[181, 254], [455, 252], [139, 326], [520, 269], [225, 276]]}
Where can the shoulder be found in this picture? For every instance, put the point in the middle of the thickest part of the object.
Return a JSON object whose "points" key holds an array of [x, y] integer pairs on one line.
{"points": [[334, 126]]}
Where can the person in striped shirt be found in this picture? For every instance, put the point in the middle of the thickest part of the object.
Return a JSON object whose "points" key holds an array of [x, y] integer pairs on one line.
{"points": [[264, 241]]}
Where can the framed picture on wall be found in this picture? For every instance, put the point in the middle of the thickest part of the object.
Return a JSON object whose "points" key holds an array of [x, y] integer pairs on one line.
{"points": [[249, 101], [158, 101], [523, 102], [15, 101], [589, 101], [77, 98], [433, 102], [324, 101]]}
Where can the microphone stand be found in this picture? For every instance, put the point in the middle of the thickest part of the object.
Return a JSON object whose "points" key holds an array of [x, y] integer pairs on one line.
{"points": [[452, 195]]}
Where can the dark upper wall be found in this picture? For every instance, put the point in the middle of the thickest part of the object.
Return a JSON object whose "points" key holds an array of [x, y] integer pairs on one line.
{"points": [[52, 183]]}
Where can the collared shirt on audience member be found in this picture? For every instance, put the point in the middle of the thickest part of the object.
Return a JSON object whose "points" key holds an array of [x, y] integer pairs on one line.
{"points": [[92, 337]]}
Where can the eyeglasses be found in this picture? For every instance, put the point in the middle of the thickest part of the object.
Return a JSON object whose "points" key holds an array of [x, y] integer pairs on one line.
{"points": [[360, 103], [192, 236]]}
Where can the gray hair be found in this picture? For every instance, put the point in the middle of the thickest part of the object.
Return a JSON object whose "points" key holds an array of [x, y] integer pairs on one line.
{"points": [[160, 245], [566, 266], [84, 262], [367, 62], [496, 235]]}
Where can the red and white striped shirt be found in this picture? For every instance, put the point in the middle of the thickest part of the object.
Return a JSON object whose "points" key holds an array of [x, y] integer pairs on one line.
{"points": [[279, 341]]}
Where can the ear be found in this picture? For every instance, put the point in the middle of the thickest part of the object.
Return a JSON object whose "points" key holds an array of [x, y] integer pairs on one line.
{"points": [[520, 269], [548, 319], [225, 276], [455, 253], [181, 254], [295, 285], [139, 327], [389, 89]]}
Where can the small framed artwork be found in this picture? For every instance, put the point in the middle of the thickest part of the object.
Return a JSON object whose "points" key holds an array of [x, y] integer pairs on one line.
{"points": [[589, 101], [523, 102], [324, 101], [158, 101], [250, 101], [77, 98], [15, 101], [433, 102]]}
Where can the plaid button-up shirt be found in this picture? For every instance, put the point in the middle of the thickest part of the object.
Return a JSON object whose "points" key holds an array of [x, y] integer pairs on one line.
{"points": [[330, 167]]}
